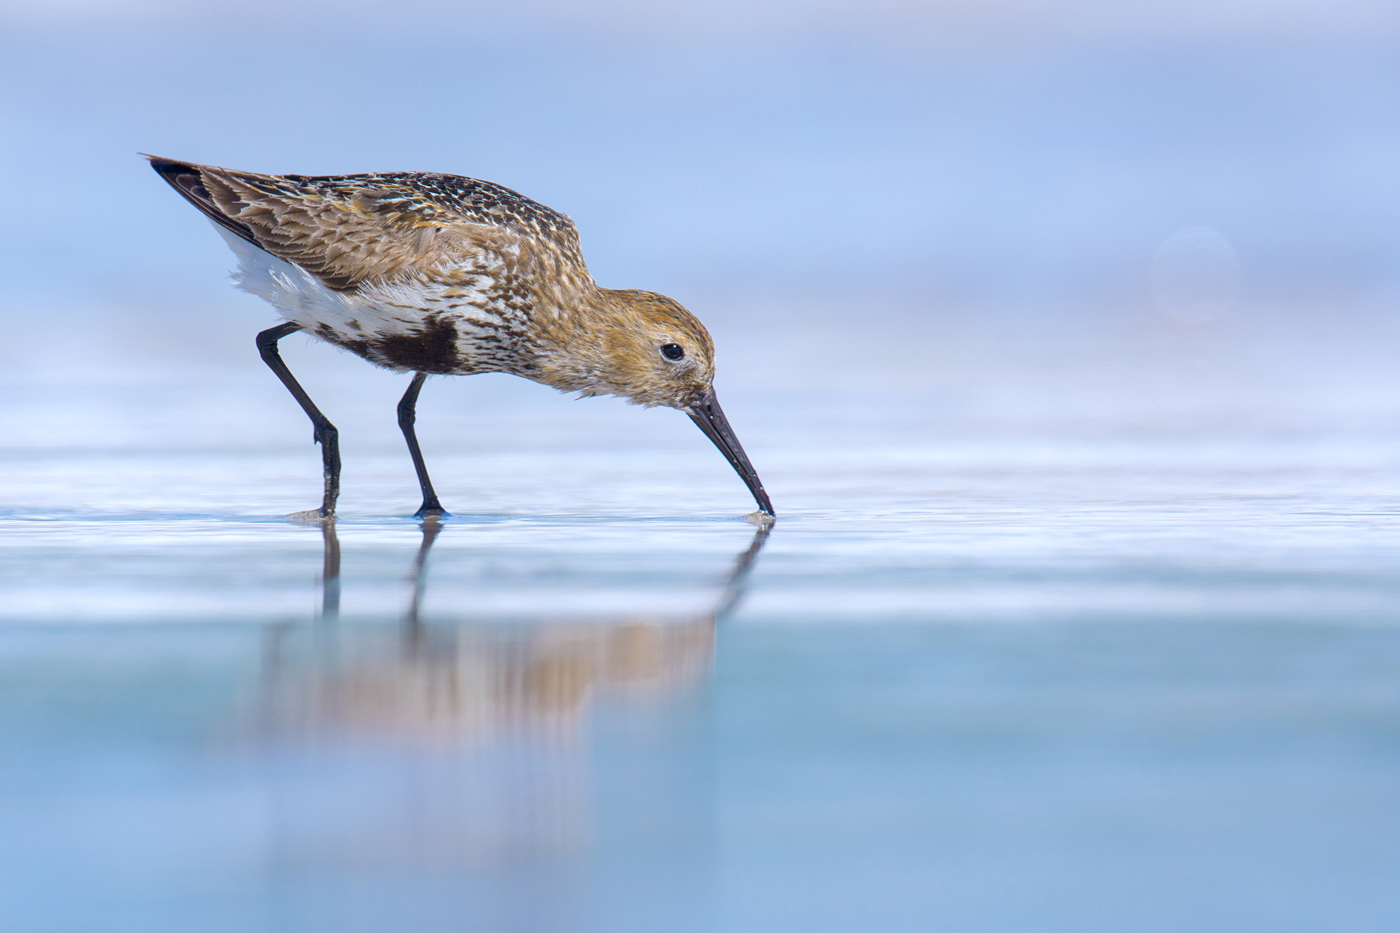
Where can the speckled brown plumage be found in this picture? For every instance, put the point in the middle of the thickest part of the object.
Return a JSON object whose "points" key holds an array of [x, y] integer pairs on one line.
{"points": [[439, 274]]}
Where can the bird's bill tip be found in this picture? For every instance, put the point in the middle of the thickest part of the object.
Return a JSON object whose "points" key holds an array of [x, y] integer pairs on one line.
{"points": [[709, 417]]}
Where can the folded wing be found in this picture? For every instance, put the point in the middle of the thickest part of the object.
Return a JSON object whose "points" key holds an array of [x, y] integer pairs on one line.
{"points": [[349, 230]]}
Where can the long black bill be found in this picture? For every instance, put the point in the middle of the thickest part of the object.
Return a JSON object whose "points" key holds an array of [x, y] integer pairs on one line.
{"points": [[710, 418]]}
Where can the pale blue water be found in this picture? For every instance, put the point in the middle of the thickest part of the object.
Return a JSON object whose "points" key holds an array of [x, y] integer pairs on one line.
{"points": [[1117, 654]]}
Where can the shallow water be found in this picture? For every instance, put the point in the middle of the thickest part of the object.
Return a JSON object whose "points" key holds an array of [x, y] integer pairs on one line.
{"points": [[1070, 661]]}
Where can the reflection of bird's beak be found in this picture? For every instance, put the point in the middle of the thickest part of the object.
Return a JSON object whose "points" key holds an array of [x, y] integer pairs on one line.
{"points": [[710, 418]]}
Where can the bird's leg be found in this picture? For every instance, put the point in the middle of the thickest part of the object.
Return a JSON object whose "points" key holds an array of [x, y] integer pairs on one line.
{"points": [[407, 416], [324, 432]]}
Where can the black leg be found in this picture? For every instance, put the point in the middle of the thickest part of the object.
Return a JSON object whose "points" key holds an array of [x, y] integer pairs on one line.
{"points": [[407, 416], [324, 432]]}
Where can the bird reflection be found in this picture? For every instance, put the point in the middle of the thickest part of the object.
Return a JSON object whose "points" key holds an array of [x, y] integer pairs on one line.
{"points": [[452, 682]]}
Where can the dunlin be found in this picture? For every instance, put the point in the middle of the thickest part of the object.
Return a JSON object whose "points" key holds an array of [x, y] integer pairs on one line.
{"points": [[439, 274]]}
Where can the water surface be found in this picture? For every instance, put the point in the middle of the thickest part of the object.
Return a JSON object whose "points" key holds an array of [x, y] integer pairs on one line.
{"points": [[1030, 663]]}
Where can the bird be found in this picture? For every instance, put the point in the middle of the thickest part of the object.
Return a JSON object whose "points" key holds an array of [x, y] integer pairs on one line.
{"points": [[437, 274]]}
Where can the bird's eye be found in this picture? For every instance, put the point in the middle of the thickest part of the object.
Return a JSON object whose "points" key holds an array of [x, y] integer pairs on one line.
{"points": [[672, 351]]}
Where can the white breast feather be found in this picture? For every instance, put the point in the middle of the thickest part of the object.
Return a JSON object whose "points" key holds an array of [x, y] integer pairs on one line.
{"points": [[298, 294], [385, 309]]}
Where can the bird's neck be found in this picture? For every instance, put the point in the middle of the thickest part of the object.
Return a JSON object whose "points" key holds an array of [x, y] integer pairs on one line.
{"points": [[572, 339]]}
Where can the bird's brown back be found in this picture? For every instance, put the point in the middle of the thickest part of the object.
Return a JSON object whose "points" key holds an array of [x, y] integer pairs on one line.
{"points": [[351, 229]]}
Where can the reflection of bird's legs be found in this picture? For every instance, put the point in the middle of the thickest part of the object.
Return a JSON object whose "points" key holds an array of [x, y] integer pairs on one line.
{"points": [[330, 571], [431, 528], [738, 577]]}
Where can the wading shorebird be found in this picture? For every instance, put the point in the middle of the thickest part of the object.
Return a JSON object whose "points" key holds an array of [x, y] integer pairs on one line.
{"points": [[440, 274]]}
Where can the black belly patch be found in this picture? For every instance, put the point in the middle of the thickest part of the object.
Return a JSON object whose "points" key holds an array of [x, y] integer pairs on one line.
{"points": [[432, 350]]}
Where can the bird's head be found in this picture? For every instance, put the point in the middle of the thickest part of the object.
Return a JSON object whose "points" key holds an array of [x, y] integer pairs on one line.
{"points": [[654, 352], [651, 351]]}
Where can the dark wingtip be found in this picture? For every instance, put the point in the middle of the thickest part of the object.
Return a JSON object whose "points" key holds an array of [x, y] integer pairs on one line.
{"points": [[166, 166], [184, 177], [188, 179]]}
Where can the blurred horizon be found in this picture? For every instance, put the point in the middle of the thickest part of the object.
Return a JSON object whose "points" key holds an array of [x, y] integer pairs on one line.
{"points": [[1019, 22], [1015, 160]]}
